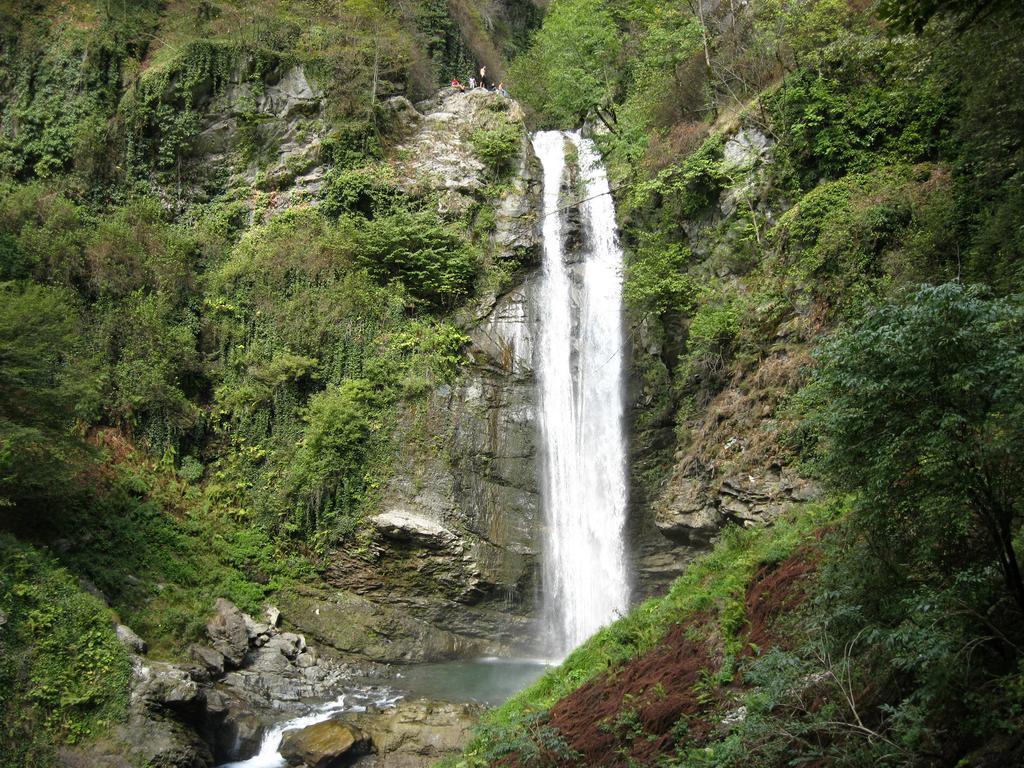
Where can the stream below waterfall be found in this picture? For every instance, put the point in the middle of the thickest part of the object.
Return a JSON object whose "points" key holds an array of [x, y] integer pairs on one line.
{"points": [[355, 700], [488, 681]]}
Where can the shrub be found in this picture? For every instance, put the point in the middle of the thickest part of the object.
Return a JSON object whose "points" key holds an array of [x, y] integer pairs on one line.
{"points": [[918, 410], [327, 474], [430, 258], [151, 357], [370, 191], [42, 235], [497, 147], [134, 248], [686, 190], [657, 282], [713, 327], [845, 240], [855, 110]]}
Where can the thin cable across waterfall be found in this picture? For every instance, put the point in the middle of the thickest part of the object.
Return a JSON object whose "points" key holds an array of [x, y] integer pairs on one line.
{"points": [[582, 404]]}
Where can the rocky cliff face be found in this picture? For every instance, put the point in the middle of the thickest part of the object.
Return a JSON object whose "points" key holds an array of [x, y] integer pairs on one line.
{"points": [[455, 544], [450, 567], [260, 130], [723, 464]]}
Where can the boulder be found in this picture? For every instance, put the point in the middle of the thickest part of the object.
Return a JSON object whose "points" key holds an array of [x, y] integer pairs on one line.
{"points": [[286, 644], [163, 742], [745, 149], [416, 733], [227, 631], [129, 639], [270, 658], [329, 744], [158, 731], [256, 629], [166, 686], [210, 659], [239, 735], [272, 615]]}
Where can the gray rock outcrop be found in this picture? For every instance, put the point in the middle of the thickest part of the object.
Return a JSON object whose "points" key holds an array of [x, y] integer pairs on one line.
{"points": [[228, 633], [454, 559], [129, 639], [693, 510]]}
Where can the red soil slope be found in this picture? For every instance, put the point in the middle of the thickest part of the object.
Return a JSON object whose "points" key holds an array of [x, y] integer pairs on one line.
{"points": [[666, 698]]}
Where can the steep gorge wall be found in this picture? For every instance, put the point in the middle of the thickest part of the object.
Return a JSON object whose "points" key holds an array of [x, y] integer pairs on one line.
{"points": [[454, 546], [706, 449]]}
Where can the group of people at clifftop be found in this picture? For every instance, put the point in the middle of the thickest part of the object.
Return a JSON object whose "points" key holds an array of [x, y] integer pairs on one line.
{"points": [[481, 83]]}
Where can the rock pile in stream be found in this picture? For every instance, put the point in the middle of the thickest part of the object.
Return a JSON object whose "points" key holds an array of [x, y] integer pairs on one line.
{"points": [[216, 708], [248, 675]]}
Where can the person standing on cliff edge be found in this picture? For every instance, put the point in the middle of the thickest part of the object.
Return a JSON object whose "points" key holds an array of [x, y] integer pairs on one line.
{"points": [[483, 77]]}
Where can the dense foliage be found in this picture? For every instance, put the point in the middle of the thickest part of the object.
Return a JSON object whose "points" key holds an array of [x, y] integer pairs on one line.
{"points": [[919, 411], [63, 673]]}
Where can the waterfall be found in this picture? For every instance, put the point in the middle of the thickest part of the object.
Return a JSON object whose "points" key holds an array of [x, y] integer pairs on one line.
{"points": [[580, 374]]}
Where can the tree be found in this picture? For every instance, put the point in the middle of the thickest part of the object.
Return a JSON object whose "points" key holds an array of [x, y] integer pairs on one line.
{"points": [[919, 411], [41, 383], [570, 70], [907, 15]]}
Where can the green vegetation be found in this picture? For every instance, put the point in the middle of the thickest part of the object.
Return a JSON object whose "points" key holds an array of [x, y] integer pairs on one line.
{"points": [[569, 70], [62, 672], [918, 410], [430, 259], [42, 384], [497, 147], [891, 661]]}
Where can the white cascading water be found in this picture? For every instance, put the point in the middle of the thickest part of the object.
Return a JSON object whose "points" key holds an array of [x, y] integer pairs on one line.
{"points": [[580, 372], [356, 700]]}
